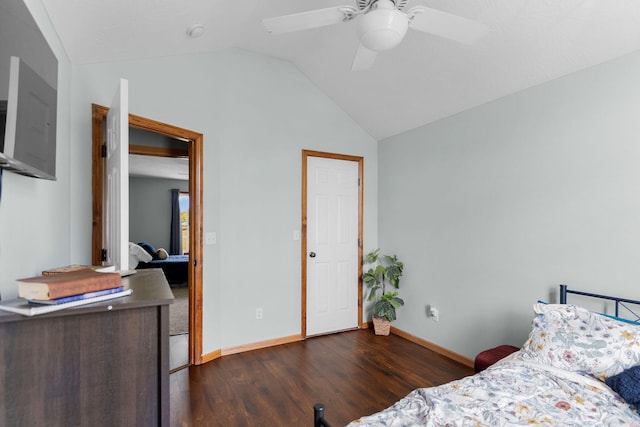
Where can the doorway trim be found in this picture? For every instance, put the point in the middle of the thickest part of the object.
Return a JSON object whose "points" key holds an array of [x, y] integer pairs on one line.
{"points": [[195, 152], [360, 161]]}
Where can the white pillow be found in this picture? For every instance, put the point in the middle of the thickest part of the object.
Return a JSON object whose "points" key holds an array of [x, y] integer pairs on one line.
{"points": [[136, 255], [162, 253], [575, 339]]}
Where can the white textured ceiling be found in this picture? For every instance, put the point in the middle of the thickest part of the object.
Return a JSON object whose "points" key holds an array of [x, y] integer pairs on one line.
{"points": [[424, 79], [154, 167]]}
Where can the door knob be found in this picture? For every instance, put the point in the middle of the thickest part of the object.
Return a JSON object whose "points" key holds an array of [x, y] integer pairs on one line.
{"points": [[312, 254]]}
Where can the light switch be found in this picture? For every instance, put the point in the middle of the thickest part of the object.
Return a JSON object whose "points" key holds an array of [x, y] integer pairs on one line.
{"points": [[296, 234], [210, 238]]}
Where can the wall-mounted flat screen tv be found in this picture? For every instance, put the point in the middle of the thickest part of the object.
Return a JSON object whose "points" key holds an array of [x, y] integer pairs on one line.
{"points": [[28, 124]]}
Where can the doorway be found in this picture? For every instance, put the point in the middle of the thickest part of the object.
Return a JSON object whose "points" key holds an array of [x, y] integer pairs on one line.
{"points": [[159, 218], [332, 225], [195, 141]]}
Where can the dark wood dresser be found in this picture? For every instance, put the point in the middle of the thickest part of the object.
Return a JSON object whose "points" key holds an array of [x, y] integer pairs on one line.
{"points": [[104, 364]]}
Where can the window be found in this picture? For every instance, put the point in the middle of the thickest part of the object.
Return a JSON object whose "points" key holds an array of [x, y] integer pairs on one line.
{"points": [[183, 200]]}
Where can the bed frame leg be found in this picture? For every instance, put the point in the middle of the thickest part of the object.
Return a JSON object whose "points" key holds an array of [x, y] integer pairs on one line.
{"points": [[318, 416]]}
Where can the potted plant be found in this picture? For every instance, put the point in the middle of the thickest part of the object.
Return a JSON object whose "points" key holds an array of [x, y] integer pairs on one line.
{"points": [[384, 270]]}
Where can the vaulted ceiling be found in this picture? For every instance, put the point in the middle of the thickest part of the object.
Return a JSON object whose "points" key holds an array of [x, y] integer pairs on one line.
{"points": [[423, 79]]}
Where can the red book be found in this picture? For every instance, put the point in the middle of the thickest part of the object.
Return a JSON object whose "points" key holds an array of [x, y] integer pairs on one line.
{"points": [[67, 284]]}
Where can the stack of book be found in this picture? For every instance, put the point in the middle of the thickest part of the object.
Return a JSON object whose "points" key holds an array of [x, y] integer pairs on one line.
{"points": [[65, 287]]}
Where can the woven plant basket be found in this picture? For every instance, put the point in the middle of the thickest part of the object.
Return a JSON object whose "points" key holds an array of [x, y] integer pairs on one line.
{"points": [[381, 326]]}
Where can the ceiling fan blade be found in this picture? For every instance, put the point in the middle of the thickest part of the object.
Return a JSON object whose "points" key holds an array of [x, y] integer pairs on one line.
{"points": [[364, 58], [307, 20], [446, 25]]}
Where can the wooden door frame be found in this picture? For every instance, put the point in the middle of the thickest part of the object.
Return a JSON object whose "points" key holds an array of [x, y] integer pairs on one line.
{"points": [[195, 152], [360, 161]]}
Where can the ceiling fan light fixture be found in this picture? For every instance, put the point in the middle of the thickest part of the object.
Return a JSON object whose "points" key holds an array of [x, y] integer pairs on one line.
{"points": [[382, 28]]}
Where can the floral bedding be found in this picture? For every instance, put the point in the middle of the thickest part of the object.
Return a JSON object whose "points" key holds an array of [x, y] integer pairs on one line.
{"points": [[556, 379]]}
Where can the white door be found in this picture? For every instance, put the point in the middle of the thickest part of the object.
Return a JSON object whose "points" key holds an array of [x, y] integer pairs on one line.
{"points": [[117, 198], [332, 245]]}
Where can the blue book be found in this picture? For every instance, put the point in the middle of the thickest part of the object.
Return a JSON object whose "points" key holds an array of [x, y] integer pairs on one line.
{"points": [[26, 308], [80, 297]]}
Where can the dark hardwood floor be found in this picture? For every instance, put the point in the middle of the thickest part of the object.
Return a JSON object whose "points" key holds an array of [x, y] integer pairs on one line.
{"points": [[352, 373]]}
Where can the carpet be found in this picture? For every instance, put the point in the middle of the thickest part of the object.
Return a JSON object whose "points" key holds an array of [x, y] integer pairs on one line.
{"points": [[179, 312]]}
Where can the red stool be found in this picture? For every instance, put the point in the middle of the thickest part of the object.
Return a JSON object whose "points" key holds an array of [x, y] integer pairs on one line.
{"points": [[489, 357]]}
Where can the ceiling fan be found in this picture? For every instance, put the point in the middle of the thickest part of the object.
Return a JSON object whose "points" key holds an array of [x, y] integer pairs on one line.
{"points": [[382, 26]]}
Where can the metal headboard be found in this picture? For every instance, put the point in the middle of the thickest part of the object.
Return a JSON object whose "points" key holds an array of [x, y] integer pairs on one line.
{"points": [[619, 302]]}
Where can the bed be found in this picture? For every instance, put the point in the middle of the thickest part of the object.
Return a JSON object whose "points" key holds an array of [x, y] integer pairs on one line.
{"points": [[577, 368], [175, 267]]}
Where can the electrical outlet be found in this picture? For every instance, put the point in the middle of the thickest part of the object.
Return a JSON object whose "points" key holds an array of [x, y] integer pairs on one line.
{"points": [[259, 313], [210, 238], [434, 313]]}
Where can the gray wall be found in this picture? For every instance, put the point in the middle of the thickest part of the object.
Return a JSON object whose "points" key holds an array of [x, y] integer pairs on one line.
{"points": [[36, 216], [491, 209], [150, 209], [144, 137], [256, 114]]}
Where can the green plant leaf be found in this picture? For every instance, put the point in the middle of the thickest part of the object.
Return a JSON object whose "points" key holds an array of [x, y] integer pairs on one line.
{"points": [[372, 292], [369, 277], [384, 270], [372, 257]]}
